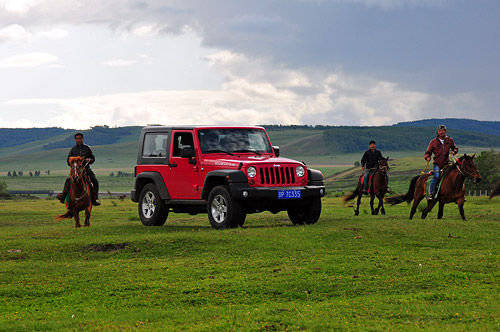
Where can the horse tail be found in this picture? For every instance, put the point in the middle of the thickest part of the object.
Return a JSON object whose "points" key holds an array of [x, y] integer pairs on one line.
{"points": [[67, 215], [351, 196], [408, 197]]}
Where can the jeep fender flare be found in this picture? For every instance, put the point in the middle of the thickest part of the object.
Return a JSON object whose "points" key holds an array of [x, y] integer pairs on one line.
{"points": [[315, 177], [150, 177], [222, 177]]}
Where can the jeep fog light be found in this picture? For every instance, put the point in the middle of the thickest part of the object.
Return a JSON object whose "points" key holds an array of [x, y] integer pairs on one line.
{"points": [[245, 193], [299, 171], [251, 171]]}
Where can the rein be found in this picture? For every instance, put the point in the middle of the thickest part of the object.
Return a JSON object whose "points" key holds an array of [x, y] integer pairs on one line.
{"points": [[85, 185]]}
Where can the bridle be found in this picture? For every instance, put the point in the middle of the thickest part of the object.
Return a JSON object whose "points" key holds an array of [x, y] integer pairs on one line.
{"points": [[463, 171], [78, 170], [384, 169]]}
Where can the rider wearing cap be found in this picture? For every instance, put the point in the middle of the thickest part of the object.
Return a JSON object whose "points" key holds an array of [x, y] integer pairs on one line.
{"points": [[440, 146], [84, 151]]}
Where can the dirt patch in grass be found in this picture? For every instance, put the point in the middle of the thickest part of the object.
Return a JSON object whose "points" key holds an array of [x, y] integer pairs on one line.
{"points": [[105, 247]]}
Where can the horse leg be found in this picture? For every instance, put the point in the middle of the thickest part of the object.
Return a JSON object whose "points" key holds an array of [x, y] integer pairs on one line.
{"points": [[356, 212], [416, 202], [372, 197], [88, 211], [381, 204], [461, 202], [76, 214], [440, 211], [430, 205]]}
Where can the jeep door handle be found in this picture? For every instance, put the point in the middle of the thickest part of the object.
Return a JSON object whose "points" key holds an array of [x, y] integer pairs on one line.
{"points": [[172, 165]]}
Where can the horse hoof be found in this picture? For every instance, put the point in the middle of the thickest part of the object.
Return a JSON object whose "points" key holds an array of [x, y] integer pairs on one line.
{"points": [[356, 213], [383, 213]]}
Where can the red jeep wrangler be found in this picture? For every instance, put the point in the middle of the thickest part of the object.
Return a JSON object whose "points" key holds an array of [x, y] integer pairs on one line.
{"points": [[225, 171]]}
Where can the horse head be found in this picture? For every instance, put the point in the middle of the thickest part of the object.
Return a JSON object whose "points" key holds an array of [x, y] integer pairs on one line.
{"points": [[77, 168], [468, 167], [383, 164]]}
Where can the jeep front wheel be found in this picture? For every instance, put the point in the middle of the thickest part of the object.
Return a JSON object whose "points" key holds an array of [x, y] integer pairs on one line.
{"points": [[223, 211], [152, 209], [307, 213]]}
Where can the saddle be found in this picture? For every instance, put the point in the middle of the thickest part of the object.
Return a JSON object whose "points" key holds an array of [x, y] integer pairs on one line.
{"points": [[443, 173], [370, 176]]}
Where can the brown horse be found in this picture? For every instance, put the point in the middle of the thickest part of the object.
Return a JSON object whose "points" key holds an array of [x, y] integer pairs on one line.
{"points": [[79, 194], [452, 188], [496, 191], [378, 188]]}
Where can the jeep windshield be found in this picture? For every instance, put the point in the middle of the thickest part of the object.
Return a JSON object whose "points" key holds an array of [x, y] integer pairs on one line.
{"points": [[233, 140]]}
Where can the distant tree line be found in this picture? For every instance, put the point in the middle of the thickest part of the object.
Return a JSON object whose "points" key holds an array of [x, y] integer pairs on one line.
{"points": [[14, 137], [21, 173], [355, 139], [488, 164], [98, 135]]}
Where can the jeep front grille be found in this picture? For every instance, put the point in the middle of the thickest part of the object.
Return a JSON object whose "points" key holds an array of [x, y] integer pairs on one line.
{"points": [[276, 175]]}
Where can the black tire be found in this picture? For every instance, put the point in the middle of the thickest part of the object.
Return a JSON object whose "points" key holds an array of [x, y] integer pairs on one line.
{"points": [[152, 209], [223, 211], [307, 213]]}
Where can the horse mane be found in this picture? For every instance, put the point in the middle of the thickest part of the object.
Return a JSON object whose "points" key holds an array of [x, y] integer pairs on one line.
{"points": [[75, 159]]}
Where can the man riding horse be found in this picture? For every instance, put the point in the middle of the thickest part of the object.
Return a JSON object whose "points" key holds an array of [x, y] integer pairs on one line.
{"points": [[85, 152], [441, 146], [369, 162]]}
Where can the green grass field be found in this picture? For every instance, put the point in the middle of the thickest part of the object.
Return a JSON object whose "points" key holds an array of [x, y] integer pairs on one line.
{"points": [[352, 273]]}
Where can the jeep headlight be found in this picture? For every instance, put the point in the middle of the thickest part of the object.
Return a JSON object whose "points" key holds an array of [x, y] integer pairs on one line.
{"points": [[251, 171], [299, 171]]}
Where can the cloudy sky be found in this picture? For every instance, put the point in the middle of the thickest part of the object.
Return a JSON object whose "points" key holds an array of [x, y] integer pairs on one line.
{"points": [[78, 63]]}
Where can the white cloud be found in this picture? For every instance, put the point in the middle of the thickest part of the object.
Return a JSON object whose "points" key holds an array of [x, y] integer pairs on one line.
{"points": [[265, 95], [28, 60], [55, 33], [18, 33], [14, 32], [119, 63], [146, 30], [19, 7]]}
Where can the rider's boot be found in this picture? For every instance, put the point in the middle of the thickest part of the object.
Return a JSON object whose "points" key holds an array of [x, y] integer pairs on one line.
{"points": [[95, 197], [62, 196]]}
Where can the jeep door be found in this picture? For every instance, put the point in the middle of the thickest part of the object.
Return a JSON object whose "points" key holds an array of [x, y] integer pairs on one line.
{"points": [[183, 176]]}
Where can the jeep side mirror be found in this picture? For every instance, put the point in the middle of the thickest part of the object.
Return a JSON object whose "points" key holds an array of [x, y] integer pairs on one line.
{"points": [[187, 152], [276, 150]]}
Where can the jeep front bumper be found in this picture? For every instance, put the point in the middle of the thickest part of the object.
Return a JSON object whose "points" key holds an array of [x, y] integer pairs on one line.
{"points": [[244, 192]]}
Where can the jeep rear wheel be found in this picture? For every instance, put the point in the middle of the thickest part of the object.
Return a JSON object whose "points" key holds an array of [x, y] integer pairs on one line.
{"points": [[307, 213], [223, 211], [152, 209]]}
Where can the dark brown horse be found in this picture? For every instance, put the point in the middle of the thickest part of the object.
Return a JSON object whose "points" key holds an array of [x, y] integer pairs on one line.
{"points": [[496, 191], [378, 188], [79, 194], [452, 188]]}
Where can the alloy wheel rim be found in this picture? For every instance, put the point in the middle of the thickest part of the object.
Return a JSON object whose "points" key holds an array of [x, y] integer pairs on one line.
{"points": [[219, 209], [148, 204]]}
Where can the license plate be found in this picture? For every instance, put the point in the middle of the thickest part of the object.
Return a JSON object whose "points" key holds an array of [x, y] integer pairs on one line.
{"points": [[289, 194]]}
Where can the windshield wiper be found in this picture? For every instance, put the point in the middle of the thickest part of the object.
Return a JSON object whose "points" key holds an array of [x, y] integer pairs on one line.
{"points": [[222, 151], [249, 150]]}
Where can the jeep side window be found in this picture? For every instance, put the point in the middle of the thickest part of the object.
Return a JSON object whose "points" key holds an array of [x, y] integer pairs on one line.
{"points": [[155, 145], [181, 140]]}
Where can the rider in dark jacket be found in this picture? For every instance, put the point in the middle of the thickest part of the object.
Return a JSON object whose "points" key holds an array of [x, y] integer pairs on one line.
{"points": [[369, 161], [84, 151], [440, 146]]}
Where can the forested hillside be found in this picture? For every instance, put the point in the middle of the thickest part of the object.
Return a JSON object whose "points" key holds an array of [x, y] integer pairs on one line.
{"points": [[485, 127]]}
